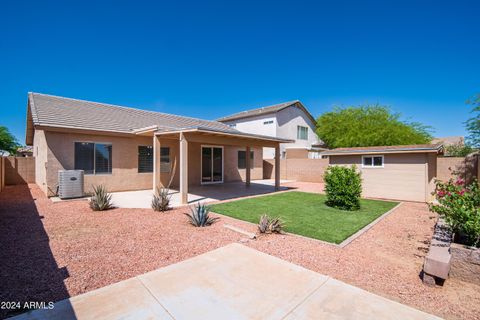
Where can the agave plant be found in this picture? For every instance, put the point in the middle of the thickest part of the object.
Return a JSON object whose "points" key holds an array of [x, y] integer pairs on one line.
{"points": [[199, 216], [101, 199], [161, 200], [270, 225]]}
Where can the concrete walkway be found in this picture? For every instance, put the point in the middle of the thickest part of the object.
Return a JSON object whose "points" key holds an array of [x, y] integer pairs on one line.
{"points": [[232, 282]]}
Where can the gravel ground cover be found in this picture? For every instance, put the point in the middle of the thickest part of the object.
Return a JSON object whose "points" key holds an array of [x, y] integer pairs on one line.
{"points": [[54, 251]]}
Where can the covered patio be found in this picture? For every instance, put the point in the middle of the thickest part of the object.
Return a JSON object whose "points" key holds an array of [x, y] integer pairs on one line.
{"points": [[210, 164], [202, 194]]}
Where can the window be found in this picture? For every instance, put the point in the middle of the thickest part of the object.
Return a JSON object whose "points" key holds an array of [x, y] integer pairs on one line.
{"points": [[93, 158], [302, 133], [164, 159], [372, 161], [145, 159], [268, 122], [242, 161]]}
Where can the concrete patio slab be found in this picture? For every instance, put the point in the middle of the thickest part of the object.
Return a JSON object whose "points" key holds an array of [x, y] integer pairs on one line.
{"points": [[232, 282], [127, 299], [205, 193], [338, 300]]}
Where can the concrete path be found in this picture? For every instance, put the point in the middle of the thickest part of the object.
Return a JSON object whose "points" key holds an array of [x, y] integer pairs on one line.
{"points": [[232, 282]]}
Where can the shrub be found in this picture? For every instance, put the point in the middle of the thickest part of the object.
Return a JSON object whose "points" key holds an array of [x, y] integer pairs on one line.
{"points": [[459, 205], [343, 187], [161, 200], [199, 216], [270, 225], [101, 199]]}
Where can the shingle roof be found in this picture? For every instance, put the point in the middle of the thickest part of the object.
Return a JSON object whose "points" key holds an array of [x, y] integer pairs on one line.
{"points": [[385, 149], [265, 110], [54, 111]]}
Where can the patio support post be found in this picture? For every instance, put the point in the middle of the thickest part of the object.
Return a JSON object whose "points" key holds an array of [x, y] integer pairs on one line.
{"points": [[247, 167], [156, 163], [183, 169], [277, 167]]}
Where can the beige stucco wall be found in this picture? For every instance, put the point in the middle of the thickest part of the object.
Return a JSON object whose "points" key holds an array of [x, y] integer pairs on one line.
{"points": [[40, 152], [405, 176], [56, 152], [60, 156]]}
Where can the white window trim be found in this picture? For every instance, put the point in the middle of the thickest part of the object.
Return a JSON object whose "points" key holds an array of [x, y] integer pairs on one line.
{"points": [[306, 138], [372, 166], [94, 158], [201, 164]]}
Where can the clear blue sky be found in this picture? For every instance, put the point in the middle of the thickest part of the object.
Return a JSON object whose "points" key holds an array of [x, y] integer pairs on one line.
{"points": [[209, 59]]}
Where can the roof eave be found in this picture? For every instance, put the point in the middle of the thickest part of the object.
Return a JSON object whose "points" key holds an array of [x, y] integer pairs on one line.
{"points": [[234, 134]]}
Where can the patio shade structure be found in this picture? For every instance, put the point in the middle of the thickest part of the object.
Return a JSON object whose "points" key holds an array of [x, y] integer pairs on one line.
{"points": [[182, 141]]}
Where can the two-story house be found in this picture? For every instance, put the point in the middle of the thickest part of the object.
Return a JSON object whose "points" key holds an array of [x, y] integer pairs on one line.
{"points": [[289, 120]]}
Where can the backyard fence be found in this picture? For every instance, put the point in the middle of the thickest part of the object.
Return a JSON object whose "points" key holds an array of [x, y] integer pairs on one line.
{"points": [[466, 168], [2, 173], [306, 170], [18, 170]]}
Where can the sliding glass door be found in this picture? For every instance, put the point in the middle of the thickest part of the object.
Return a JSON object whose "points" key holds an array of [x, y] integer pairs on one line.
{"points": [[212, 164]]}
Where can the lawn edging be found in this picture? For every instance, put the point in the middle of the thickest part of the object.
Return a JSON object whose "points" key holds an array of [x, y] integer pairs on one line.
{"points": [[367, 227]]}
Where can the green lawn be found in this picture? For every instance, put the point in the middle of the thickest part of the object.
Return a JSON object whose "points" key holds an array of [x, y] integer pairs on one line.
{"points": [[306, 214]]}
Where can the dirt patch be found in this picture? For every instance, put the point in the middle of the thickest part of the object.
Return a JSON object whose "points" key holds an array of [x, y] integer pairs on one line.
{"points": [[57, 250]]}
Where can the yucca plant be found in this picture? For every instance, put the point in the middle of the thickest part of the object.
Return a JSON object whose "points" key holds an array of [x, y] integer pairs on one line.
{"points": [[270, 225], [161, 200], [199, 216], [101, 199]]}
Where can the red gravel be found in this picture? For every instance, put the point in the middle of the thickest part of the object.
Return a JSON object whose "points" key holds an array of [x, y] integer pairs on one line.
{"points": [[52, 251]]}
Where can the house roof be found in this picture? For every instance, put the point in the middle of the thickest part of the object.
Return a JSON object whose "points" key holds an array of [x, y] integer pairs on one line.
{"points": [[449, 140], [385, 149], [266, 110], [60, 112]]}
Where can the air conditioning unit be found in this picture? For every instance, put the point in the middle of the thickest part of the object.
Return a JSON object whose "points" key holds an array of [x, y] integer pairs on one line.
{"points": [[70, 184]]}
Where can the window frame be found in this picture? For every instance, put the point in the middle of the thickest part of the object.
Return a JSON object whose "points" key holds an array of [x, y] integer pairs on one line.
{"points": [[138, 159], [252, 159], [94, 158], [373, 166], [299, 127]]}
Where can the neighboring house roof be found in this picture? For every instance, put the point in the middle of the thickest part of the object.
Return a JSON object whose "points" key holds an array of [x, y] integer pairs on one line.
{"points": [[25, 149], [59, 112], [447, 141], [267, 110], [385, 149]]}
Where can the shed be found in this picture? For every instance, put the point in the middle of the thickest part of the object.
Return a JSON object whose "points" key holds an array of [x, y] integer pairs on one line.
{"points": [[392, 172]]}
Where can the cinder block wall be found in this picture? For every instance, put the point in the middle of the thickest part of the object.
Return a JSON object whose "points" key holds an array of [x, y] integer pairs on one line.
{"points": [[19, 170], [466, 167], [306, 170], [2, 173]]}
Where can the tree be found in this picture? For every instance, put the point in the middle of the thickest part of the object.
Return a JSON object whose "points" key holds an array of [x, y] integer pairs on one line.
{"points": [[458, 150], [473, 124], [7, 140], [369, 125]]}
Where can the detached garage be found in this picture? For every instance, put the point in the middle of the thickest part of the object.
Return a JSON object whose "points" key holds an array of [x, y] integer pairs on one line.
{"points": [[393, 172]]}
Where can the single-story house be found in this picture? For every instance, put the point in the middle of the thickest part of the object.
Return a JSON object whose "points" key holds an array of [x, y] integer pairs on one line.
{"points": [[131, 149], [392, 172]]}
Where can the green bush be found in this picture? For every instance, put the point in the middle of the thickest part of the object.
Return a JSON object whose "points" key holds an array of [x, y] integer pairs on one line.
{"points": [[343, 187], [459, 205]]}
